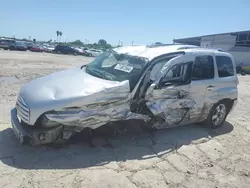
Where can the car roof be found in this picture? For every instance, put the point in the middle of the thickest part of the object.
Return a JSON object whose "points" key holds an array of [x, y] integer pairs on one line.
{"points": [[153, 51]]}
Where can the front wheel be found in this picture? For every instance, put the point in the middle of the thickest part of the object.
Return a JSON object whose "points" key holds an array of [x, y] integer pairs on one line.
{"points": [[217, 115]]}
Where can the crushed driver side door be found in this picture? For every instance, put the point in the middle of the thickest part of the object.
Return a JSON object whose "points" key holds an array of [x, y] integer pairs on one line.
{"points": [[168, 98]]}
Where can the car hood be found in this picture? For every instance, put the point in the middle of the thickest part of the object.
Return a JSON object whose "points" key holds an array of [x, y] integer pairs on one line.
{"points": [[70, 88]]}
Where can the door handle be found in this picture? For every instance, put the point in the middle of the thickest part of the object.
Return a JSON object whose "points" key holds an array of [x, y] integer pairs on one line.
{"points": [[211, 87]]}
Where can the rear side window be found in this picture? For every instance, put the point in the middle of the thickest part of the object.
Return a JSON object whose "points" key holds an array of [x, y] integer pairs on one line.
{"points": [[203, 68], [225, 66]]}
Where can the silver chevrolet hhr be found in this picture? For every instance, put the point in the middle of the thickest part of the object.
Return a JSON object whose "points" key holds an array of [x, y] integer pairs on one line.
{"points": [[164, 85]]}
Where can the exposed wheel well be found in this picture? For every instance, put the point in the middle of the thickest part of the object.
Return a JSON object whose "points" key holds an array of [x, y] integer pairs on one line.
{"points": [[228, 102]]}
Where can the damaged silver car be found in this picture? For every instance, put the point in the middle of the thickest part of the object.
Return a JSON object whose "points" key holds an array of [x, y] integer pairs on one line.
{"points": [[166, 86]]}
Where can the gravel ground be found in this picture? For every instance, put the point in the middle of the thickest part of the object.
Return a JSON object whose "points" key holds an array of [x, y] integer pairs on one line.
{"points": [[190, 156]]}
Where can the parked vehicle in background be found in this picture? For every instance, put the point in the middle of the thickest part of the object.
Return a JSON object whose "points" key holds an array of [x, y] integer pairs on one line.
{"points": [[18, 45], [37, 48], [85, 53], [6, 43], [29, 45], [243, 68], [48, 48], [80, 51], [63, 49], [93, 52], [165, 86]]}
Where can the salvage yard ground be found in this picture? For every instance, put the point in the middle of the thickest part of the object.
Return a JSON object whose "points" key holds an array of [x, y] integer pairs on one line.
{"points": [[191, 156]]}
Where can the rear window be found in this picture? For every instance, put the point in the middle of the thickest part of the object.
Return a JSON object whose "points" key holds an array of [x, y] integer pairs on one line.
{"points": [[225, 66], [203, 68]]}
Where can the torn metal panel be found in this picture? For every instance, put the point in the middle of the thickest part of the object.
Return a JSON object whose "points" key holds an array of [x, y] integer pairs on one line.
{"points": [[96, 116], [172, 105], [70, 88]]}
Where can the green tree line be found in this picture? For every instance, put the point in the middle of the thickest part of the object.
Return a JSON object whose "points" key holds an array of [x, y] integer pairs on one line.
{"points": [[101, 44]]}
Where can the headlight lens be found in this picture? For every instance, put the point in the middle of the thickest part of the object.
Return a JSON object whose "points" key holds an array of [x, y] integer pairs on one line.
{"points": [[72, 109], [45, 122], [68, 109]]}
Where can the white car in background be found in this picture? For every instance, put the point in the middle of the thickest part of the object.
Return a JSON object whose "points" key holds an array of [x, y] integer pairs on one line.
{"points": [[79, 50], [48, 48], [94, 52]]}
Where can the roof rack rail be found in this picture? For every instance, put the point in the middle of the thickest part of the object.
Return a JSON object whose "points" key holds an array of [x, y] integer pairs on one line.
{"points": [[219, 49], [201, 47], [159, 45], [187, 47]]}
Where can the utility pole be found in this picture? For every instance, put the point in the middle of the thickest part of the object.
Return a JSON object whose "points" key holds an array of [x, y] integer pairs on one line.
{"points": [[132, 43]]}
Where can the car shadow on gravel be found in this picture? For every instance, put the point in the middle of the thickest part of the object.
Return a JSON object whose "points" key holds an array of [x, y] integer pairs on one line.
{"points": [[130, 143]]}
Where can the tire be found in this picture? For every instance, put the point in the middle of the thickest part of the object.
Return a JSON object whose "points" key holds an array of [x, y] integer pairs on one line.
{"points": [[243, 73], [59, 142], [217, 115]]}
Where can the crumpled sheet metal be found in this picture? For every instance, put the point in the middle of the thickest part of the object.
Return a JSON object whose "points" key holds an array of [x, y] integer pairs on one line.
{"points": [[95, 108], [171, 105], [97, 115]]}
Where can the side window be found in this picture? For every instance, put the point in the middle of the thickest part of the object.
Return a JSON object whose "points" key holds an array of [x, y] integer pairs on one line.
{"points": [[225, 66], [203, 68], [156, 69], [179, 74]]}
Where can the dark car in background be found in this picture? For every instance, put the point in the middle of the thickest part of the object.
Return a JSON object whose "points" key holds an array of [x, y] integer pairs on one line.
{"points": [[63, 49], [29, 45], [18, 45]]}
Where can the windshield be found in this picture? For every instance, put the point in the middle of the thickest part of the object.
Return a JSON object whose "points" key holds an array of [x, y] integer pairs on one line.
{"points": [[117, 67]]}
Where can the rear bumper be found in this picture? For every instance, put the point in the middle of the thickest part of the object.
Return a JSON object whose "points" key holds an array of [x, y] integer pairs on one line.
{"points": [[234, 105], [29, 135]]}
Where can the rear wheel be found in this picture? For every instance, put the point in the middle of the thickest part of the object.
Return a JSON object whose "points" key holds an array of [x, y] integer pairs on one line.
{"points": [[217, 115]]}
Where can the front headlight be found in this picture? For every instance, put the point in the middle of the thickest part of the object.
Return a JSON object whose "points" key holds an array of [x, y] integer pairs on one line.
{"points": [[46, 119], [67, 110], [72, 109]]}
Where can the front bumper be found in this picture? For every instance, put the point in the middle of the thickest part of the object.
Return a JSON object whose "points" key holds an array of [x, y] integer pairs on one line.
{"points": [[29, 135]]}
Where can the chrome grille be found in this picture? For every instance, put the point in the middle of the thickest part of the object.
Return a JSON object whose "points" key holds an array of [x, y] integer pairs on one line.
{"points": [[22, 109]]}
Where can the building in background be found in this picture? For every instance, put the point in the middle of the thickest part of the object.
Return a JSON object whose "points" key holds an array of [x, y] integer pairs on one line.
{"points": [[236, 43]]}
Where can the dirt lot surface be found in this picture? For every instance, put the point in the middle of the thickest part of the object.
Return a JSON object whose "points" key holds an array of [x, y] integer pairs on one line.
{"points": [[191, 156]]}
